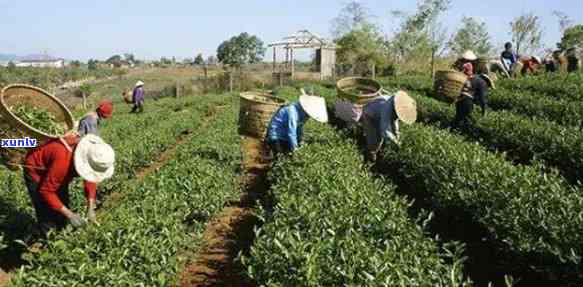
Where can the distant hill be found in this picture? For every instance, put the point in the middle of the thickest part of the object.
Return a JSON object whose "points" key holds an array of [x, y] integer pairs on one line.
{"points": [[32, 57], [8, 57]]}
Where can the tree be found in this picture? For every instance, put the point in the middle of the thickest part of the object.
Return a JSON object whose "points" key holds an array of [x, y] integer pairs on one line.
{"points": [[92, 64], [211, 60], [420, 35], [362, 49], [199, 60], [165, 61], [75, 64], [472, 35], [572, 38], [527, 33], [130, 58], [353, 16], [11, 66], [564, 21], [240, 50]]}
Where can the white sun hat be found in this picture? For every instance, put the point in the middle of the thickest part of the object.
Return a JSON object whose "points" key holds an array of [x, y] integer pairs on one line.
{"points": [[139, 83], [94, 159], [315, 107], [469, 55], [537, 59], [406, 107]]}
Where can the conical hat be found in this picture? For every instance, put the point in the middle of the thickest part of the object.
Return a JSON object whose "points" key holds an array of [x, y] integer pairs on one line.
{"points": [[315, 107], [406, 107]]}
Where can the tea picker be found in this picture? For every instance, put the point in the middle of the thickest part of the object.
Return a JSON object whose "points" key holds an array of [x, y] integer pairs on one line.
{"points": [[380, 120], [89, 124], [138, 97], [475, 90], [285, 130], [50, 168]]}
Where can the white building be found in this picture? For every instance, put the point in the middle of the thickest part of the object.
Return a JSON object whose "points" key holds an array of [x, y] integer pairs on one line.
{"points": [[42, 63], [50, 63]]}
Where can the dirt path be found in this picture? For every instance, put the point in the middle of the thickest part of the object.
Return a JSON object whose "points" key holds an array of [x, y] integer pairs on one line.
{"points": [[232, 231], [4, 278]]}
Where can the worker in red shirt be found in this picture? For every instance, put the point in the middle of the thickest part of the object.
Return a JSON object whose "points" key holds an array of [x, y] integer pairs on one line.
{"points": [[50, 168], [530, 65]]}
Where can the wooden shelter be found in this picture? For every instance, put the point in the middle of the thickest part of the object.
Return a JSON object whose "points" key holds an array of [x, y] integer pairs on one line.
{"points": [[304, 39]]}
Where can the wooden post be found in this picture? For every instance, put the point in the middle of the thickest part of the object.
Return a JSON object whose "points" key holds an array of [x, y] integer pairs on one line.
{"points": [[230, 81], [205, 80], [286, 58], [374, 70], [274, 58], [177, 89], [291, 52], [84, 100]]}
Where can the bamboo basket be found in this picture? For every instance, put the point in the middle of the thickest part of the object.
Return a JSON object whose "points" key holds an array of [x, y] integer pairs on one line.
{"points": [[358, 90], [448, 85], [482, 66], [12, 127], [256, 111]]}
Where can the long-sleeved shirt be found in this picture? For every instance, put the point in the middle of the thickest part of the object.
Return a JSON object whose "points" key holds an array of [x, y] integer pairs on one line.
{"points": [[287, 125], [480, 91], [138, 95], [382, 111], [89, 124], [51, 166], [509, 56]]}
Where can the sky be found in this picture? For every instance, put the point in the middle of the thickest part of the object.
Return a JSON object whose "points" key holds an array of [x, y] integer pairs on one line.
{"points": [[152, 29]]}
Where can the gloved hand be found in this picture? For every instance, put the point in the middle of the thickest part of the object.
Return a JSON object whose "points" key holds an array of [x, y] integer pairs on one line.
{"points": [[76, 220], [91, 217]]}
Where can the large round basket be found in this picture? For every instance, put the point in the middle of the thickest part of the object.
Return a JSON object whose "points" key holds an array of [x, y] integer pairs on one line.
{"points": [[482, 66], [448, 85], [358, 90], [256, 110], [12, 127]]}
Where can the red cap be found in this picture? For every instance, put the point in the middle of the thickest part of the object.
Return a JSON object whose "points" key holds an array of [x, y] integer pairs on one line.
{"points": [[105, 109]]}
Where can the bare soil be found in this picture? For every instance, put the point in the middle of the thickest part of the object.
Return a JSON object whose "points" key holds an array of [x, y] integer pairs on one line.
{"points": [[232, 231], [4, 278]]}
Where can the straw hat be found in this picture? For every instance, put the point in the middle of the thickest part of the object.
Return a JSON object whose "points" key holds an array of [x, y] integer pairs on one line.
{"points": [[470, 56], [94, 159], [405, 107], [489, 81], [139, 83], [315, 107], [537, 59]]}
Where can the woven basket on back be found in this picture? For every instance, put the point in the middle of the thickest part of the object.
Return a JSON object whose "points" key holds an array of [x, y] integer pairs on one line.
{"points": [[256, 111], [448, 85], [358, 90], [11, 127], [482, 66]]}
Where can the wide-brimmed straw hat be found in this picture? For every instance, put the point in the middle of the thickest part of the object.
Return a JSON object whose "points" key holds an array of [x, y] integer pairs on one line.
{"points": [[537, 59], [139, 83], [94, 159], [315, 107], [469, 55], [489, 81], [406, 107]]}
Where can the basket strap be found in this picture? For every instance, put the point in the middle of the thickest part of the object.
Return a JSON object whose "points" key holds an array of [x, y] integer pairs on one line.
{"points": [[67, 146]]}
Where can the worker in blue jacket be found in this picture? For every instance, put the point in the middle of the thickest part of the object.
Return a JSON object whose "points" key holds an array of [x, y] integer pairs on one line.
{"points": [[285, 130], [381, 118]]}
